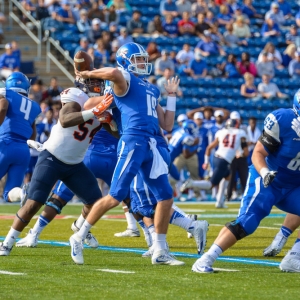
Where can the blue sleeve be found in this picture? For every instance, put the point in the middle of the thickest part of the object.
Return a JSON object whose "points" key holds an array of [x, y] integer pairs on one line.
{"points": [[2, 57]]}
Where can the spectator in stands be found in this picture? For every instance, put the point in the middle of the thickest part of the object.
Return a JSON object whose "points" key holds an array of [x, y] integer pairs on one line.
{"points": [[170, 28], [294, 66], [210, 19], [102, 52], [2, 21], [113, 31], [224, 17], [245, 65], [297, 17], [285, 7], [239, 13], [8, 62], [106, 38], [270, 28], [153, 51], [54, 90], [241, 29], [49, 122], [231, 39], [183, 6], [292, 37], [96, 11], [95, 31], [199, 7], [168, 7], [273, 55], [16, 50], [111, 15], [41, 11], [96, 56], [249, 10], [253, 134], [201, 25], [83, 24], [265, 66], [186, 26], [229, 68], [134, 24], [288, 54], [53, 24], [269, 89], [120, 5], [216, 36], [124, 37], [167, 74], [207, 47], [163, 63], [83, 45], [56, 108], [248, 89], [186, 55], [276, 14], [155, 26], [198, 67], [114, 48], [65, 13], [37, 91], [29, 7]]}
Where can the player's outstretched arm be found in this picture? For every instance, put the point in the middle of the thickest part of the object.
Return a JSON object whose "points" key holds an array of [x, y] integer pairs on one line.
{"points": [[259, 157], [112, 74], [92, 102], [3, 108], [33, 136], [208, 149], [70, 115], [166, 119]]}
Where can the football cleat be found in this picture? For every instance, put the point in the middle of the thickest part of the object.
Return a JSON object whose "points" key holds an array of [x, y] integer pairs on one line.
{"points": [[276, 246], [148, 253], [163, 257], [203, 264], [76, 249], [199, 233], [291, 262], [186, 185], [90, 239], [128, 233], [194, 218], [30, 240], [4, 250], [221, 205]]}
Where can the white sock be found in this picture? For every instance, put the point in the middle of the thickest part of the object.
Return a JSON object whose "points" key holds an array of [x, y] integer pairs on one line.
{"points": [[11, 237], [201, 184], [296, 247], [144, 227], [214, 192], [179, 220], [131, 222], [160, 242], [203, 194], [221, 192], [151, 229], [214, 251], [84, 229], [40, 224], [80, 221], [176, 208]]}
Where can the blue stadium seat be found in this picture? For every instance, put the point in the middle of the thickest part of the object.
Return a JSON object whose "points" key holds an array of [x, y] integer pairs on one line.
{"points": [[247, 104], [282, 73]]}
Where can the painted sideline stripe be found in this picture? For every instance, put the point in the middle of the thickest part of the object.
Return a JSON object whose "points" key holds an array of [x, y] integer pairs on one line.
{"points": [[225, 270], [268, 263], [115, 271], [10, 273]]}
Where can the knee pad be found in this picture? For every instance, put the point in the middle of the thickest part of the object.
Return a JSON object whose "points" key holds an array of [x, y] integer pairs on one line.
{"points": [[236, 229], [55, 204]]}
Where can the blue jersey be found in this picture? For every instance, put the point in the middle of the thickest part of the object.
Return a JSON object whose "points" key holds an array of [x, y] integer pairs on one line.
{"points": [[104, 142], [209, 123], [20, 116], [203, 134], [138, 107], [286, 159], [180, 141]]}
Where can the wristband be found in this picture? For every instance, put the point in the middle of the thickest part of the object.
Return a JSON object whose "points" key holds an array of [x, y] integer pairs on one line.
{"points": [[206, 159], [263, 172], [87, 114], [171, 103]]}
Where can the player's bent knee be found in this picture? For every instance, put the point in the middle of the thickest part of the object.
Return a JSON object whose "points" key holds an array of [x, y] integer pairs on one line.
{"points": [[55, 204], [236, 229]]}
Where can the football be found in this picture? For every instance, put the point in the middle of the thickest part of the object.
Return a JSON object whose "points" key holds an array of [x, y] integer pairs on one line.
{"points": [[83, 61]]}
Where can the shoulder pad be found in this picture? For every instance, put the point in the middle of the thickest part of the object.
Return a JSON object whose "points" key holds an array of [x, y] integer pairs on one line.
{"points": [[74, 95], [126, 75], [3, 92], [271, 126]]}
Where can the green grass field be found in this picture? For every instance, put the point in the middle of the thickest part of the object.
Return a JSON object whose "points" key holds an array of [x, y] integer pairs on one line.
{"points": [[48, 271]]}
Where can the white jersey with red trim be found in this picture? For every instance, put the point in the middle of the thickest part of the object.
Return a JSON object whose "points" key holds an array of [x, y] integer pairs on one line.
{"points": [[69, 145], [229, 142]]}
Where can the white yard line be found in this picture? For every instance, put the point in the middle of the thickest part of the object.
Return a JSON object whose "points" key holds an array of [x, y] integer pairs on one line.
{"points": [[115, 271], [10, 273], [225, 270]]}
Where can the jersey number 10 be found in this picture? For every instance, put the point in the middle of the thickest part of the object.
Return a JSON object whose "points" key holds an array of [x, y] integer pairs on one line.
{"points": [[25, 107]]}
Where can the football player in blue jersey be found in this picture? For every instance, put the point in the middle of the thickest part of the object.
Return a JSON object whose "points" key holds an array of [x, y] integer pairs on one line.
{"points": [[273, 181], [140, 149], [17, 120]]}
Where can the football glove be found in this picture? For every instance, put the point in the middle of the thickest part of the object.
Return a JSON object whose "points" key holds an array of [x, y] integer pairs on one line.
{"points": [[103, 105], [35, 145], [106, 117], [269, 177]]}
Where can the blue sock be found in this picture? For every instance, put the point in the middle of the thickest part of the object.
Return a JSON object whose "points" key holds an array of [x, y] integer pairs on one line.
{"points": [[285, 231], [40, 224]]}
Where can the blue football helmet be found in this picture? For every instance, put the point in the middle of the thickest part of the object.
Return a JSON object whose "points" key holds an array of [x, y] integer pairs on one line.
{"points": [[18, 82], [126, 58], [190, 127], [296, 103]]}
